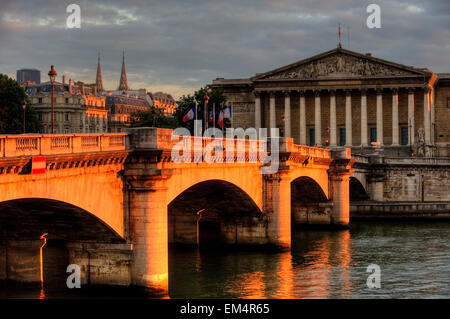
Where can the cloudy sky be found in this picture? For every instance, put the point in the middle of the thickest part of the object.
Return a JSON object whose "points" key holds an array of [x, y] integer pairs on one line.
{"points": [[179, 45]]}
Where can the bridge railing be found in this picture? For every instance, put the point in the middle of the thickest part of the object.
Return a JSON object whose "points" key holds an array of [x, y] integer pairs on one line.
{"points": [[240, 150], [253, 150], [287, 145], [34, 144]]}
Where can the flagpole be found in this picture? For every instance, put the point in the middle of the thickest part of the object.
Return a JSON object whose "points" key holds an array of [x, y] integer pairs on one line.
{"points": [[214, 115]]}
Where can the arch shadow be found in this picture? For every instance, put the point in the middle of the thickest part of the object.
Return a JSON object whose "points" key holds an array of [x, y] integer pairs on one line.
{"points": [[212, 211], [309, 204], [357, 190], [29, 218]]}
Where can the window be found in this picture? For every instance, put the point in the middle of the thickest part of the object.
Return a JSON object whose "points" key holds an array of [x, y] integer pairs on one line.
{"points": [[312, 137], [67, 100], [373, 134], [40, 100], [40, 116], [67, 117], [342, 136], [404, 135]]}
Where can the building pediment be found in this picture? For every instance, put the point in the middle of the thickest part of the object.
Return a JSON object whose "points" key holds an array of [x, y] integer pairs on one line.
{"points": [[340, 63]]}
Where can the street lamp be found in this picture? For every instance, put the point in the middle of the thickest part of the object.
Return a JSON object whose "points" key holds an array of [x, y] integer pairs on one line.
{"points": [[24, 106], [52, 74]]}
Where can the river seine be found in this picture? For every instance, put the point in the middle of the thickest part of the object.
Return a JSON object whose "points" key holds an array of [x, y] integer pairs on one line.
{"points": [[413, 256]]}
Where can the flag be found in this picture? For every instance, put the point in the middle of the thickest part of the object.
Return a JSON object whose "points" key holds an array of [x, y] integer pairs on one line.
{"points": [[191, 114], [205, 111], [220, 120], [227, 111], [211, 114]]}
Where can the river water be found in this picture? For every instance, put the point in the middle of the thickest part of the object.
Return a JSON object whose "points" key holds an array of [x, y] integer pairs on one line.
{"points": [[413, 258]]}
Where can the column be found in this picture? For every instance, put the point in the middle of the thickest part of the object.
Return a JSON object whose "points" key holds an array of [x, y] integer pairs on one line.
{"points": [[432, 116], [333, 139], [84, 122], [148, 219], [364, 141], [348, 118], [257, 111], [272, 114], [395, 133], [302, 119], [317, 119], [380, 116], [411, 116], [100, 120], [287, 114], [427, 115]]}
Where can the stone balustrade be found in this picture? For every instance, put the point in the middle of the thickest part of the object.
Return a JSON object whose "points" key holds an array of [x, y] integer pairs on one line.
{"points": [[162, 139], [38, 144], [287, 145]]}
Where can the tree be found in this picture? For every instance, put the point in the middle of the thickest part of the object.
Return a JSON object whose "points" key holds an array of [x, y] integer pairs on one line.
{"points": [[154, 117], [12, 96], [216, 98]]}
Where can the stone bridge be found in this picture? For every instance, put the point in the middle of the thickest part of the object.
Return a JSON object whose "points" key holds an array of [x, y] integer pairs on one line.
{"points": [[112, 203]]}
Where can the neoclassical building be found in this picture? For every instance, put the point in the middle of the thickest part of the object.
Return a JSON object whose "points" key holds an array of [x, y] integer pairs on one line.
{"points": [[77, 107], [345, 98]]}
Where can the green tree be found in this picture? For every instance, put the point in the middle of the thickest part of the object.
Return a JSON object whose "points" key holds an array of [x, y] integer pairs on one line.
{"points": [[216, 98], [154, 117], [12, 96]]}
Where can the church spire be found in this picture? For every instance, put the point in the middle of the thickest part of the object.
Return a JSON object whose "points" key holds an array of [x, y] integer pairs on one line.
{"points": [[99, 80], [123, 85]]}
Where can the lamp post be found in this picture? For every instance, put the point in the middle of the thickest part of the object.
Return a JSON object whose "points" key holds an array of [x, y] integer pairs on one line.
{"points": [[24, 106], [52, 75]]}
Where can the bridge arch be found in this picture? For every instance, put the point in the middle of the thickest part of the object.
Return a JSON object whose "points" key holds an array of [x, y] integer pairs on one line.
{"points": [[246, 177], [98, 190], [309, 175], [29, 217], [357, 190], [309, 202], [214, 212]]}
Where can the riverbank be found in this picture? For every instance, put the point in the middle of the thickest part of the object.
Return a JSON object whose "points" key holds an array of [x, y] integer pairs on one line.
{"points": [[400, 210]]}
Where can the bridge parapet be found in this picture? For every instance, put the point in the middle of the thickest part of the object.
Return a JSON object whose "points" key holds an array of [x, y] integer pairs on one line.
{"points": [[287, 145], [55, 144], [194, 147]]}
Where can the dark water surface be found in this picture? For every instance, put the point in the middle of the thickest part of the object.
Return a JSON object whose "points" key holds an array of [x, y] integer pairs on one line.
{"points": [[414, 258]]}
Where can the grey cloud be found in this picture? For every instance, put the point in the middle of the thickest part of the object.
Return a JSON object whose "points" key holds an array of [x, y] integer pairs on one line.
{"points": [[182, 45]]}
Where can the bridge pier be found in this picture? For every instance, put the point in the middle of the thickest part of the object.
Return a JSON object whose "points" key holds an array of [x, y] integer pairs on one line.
{"points": [[277, 206], [339, 175], [149, 231], [20, 260]]}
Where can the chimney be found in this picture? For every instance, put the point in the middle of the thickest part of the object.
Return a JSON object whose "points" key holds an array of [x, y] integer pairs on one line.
{"points": [[64, 79], [70, 86], [369, 54]]}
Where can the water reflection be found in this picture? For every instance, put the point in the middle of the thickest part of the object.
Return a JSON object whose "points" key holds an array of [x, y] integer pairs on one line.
{"points": [[324, 264], [413, 257]]}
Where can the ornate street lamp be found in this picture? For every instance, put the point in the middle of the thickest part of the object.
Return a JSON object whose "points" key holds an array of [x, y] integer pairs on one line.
{"points": [[52, 75], [24, 106]]}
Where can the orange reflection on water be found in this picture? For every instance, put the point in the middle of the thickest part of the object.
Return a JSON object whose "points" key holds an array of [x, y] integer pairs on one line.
{"points": [[312, 278], [345, 259], [285, 276], [252, 285]]}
